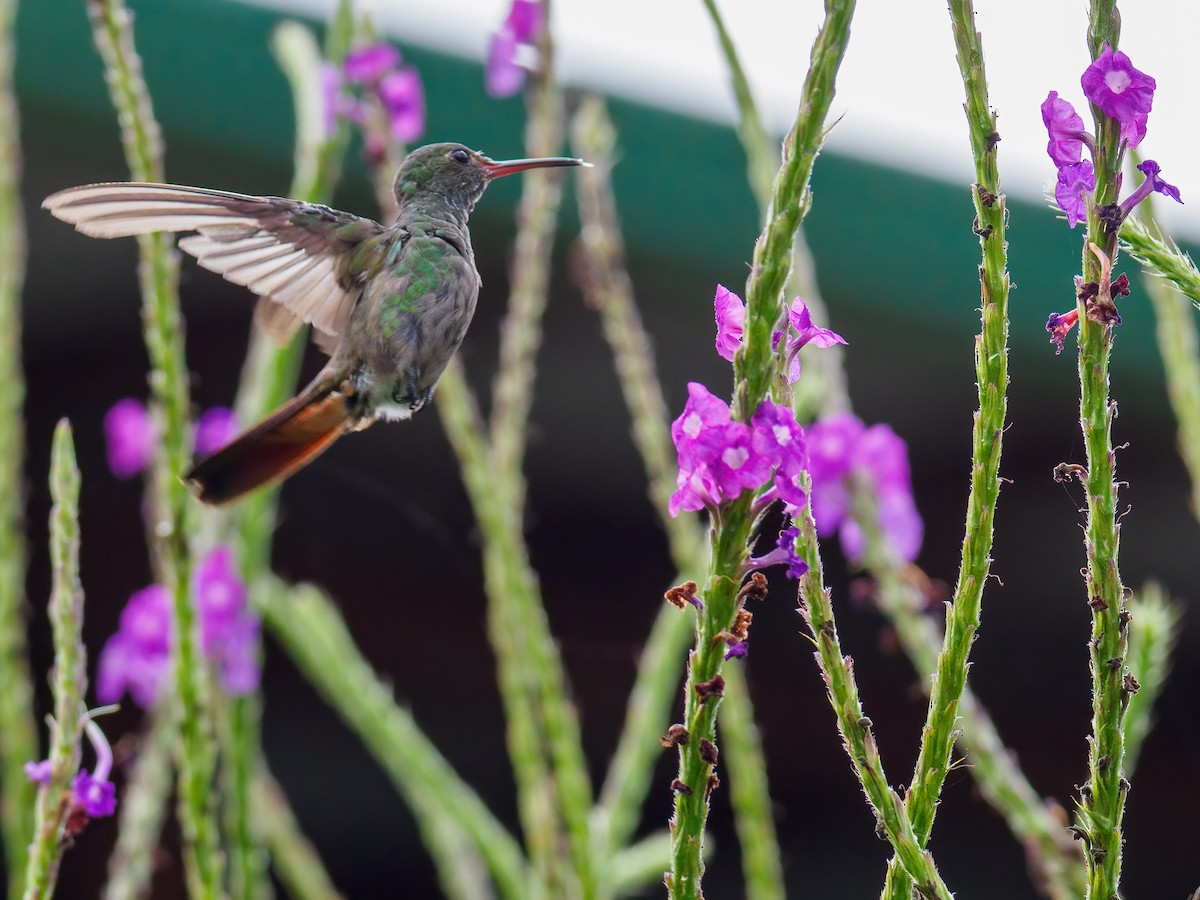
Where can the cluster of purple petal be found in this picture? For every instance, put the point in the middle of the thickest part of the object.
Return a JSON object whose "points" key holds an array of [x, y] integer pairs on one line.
{"points": [[730, 314], [513, 48], [720, 458], [1122, 93], [92, 794], [377, 68], [131, 437], [135, 659], [841, 447]]}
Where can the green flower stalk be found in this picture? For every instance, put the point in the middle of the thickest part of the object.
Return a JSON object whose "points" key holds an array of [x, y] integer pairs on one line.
{"points": [[268, 378], [170, 522], [856, 729], [607, 289], [554, 792], [1054, 858], [1178, 344], [1101, 804], [755, 369], [1152, 636], [991, 365], [1159, 254], [18, 736], [69, 676]]}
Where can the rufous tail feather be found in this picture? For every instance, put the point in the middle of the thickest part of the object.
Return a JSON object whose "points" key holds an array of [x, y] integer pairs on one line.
{"points": [[288, 439]]}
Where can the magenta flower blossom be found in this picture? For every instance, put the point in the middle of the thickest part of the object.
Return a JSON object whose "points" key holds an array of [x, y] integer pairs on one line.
{"points": [[369, 64], [525, 19], [841, 447], [376, 68], [215, 428], [1074, 190], [1122, 93], [780, 440], [1059, 325], [1150, 184], [800, 322], [130, 437], [1066, 131], [92, 794], [136, 658], [719, 458], [730, 314], [511, 48], [731, 318], [403, 97], [39, 772], [784, 554]]}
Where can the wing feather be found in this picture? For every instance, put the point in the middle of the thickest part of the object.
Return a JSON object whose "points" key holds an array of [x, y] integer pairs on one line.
{"points": [[296, 255]]}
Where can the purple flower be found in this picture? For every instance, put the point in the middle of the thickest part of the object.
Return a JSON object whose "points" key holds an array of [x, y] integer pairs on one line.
{"points": [[215, 428], [718, 458], [402, 96], [883, 456], [839, 447], [503, 77], [39, 772], [1122, 93], [731, 318], [525, 19], [805, 332], [377, 68], [784, 554], [1066, 131], [513, 44], [737, 650], [1150, 184], [220, 594], [1073, 192], [831, 444], [130, 437], [800, 319], [368, 64], [1059, 325], [780, 440], [229, 633], [92, 794], [136, 657]]}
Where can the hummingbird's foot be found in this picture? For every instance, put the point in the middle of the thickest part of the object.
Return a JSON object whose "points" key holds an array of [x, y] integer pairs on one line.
{"points": [[424, 397]]}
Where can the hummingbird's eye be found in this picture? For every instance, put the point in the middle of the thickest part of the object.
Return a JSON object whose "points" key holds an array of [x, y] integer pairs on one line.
{"points": [[460, 155]]}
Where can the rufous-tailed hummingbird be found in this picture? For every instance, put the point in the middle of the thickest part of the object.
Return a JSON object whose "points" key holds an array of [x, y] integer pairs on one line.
{"points": [[390, 304]]}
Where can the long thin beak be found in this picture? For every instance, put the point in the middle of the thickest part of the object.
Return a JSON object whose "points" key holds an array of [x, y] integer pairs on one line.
{"points": [[504, 167]]}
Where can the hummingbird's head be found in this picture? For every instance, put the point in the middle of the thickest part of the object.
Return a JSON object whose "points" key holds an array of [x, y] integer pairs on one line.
{"points": [[457, 175]]}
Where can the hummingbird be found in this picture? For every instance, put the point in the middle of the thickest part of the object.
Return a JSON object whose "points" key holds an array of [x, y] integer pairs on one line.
{"points": [[389, 304]]}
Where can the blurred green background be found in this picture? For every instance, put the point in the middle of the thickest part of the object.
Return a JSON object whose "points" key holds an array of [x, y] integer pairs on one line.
{"points": [[382, 522]]}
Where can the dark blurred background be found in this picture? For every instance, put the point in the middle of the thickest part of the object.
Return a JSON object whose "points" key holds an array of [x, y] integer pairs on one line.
{"points": [[383, 524]]}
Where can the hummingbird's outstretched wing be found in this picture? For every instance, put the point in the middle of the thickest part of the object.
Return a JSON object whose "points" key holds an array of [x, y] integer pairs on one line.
{"points": [[297, 255]]}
